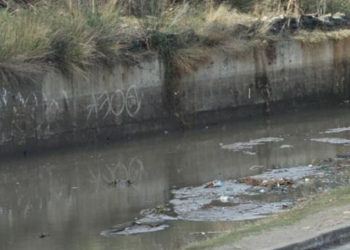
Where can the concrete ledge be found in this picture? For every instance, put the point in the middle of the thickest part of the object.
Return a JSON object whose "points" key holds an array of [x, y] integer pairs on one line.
{"points": [[327, 239]]}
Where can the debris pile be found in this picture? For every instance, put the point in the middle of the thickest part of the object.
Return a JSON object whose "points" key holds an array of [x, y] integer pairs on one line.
{"points": [[161, 209], [214, 184], [271, 183], [283, 23]]}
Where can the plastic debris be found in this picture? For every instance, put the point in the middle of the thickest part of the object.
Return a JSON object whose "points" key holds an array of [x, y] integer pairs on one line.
{"points": [[267, 183], [255, 167], [214, 184], [224, 199], [43, 235]]}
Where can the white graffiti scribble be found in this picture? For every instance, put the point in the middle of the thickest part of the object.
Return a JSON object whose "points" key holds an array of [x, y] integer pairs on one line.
{"points": [[113, 108], [45, 99], [27, 120], [65, 94], [20, 98], [105, 102], [115, 103], [53, 107], [4, 96], [109, 105], [133, 102], [31, 96], [93, 107], [24, 122]]}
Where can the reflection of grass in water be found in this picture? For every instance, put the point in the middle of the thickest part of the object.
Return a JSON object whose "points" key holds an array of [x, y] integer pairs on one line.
{"points": [[337, 197], [132, 170]]}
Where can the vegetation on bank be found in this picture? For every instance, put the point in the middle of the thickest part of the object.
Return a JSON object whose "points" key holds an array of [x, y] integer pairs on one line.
{"points": [[76, 35], [320, 202]]}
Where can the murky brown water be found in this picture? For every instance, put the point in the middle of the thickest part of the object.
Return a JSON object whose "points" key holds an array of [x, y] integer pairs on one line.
{"points": [[66, 194]]}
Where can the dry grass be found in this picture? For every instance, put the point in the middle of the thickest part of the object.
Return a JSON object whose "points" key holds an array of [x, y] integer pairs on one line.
{"points": [[188, 35], [226, 15], [71, 38], [188, 59], [225, 24], [239, 47], [74, 38], [317, 36], [296, 7], [19, 42]]}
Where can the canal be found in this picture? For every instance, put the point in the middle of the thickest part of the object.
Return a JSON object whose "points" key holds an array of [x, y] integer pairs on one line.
{"points": [[66, 194]]}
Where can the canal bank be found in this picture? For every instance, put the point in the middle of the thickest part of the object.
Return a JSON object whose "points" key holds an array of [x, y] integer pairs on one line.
{"points": [[55, 110], [319, 223]]}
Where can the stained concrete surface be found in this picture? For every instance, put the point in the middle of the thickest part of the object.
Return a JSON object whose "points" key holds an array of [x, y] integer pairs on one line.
{"points": [[114, 104]]}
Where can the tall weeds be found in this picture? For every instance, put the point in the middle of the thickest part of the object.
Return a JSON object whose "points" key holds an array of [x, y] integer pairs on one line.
{"points": [[25, 36], [76, 35], [70, 38], [320, 7]]}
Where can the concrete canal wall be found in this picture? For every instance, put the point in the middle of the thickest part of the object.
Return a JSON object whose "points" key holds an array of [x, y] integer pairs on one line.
{"points": [[115, 103]]}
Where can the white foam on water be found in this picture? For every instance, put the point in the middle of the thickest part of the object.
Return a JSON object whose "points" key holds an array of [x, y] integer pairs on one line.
{"points": [[332, 140], [336, 130]]}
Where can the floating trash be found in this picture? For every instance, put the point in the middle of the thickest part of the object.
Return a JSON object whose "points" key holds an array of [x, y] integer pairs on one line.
{"points": [[255, 167], [267, 182], [214, 184], [225, 199]]}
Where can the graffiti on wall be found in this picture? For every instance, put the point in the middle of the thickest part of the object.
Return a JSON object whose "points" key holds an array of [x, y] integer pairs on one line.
{"points": [[35, 113], [22, 114], [115, 104]]}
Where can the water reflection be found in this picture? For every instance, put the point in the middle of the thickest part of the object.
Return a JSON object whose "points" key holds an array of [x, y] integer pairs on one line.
{"points": [[67, 194]]}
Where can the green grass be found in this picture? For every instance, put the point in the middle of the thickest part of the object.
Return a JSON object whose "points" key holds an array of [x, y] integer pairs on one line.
{"points": [[337, 197]]}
